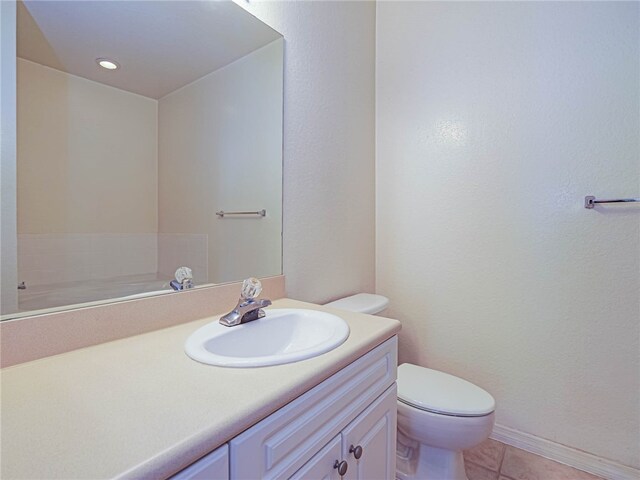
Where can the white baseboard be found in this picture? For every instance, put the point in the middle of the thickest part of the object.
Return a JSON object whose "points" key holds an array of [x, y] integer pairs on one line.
{"points": [[569, 456]]}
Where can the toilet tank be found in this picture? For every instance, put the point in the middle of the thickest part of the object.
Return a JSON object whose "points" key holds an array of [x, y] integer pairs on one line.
{"points": [[362, 303]]}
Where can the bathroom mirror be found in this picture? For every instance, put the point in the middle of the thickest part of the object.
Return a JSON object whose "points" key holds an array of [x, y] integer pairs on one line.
{"points": [[138, 121]]}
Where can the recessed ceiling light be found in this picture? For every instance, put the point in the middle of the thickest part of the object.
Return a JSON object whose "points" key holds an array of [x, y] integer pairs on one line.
{"points": [[108, 64]]}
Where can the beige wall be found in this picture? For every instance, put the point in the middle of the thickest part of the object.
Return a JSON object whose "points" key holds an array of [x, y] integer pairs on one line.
{"points": [[9, 239], [221, 149], [329, 141], [494, 121], [87, 155]]}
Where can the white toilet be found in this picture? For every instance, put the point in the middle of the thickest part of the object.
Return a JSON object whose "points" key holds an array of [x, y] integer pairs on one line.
{"points": [[439, 415]]}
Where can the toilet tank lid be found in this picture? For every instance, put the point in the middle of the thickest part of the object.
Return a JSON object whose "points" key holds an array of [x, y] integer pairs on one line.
{"points": [[361, 303], [439, 392]]}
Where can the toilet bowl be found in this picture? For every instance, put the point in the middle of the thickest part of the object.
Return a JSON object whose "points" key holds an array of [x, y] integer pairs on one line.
{"points": [[439, 415]]}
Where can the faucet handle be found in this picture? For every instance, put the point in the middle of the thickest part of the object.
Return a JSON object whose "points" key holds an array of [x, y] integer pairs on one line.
{"points": [[183, 273], [251, 288], [183, 280]]}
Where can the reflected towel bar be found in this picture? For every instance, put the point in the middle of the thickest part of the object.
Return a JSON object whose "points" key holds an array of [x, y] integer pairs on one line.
{"points": [[259, 213], [590, 201]]}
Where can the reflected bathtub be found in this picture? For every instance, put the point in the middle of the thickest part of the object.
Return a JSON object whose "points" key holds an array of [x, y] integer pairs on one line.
{"points": [[68, 294]]}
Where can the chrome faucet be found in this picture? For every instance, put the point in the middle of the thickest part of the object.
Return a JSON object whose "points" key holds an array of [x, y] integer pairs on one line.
{"points": [[248, 308]]}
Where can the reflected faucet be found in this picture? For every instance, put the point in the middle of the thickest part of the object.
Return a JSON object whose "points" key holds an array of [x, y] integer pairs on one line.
{"points": [[183, 280], [248, 308]]}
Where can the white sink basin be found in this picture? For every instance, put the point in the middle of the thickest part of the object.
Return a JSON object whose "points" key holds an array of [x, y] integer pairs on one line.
{"points": [[282, 336]]}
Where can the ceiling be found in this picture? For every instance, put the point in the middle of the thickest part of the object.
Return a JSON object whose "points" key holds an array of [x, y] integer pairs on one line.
{"points": [[160, 45]]}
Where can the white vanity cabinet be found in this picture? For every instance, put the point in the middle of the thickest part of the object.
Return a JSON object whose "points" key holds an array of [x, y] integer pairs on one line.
{"points": [[213, 466], [372, 438], [352, 413], [366, 448], [357, 404], [324, 464]]}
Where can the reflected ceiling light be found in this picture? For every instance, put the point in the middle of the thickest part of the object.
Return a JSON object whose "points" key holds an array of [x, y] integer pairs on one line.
{"points": [[108, 64]]}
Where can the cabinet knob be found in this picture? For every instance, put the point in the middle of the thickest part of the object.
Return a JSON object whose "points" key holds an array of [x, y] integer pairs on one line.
{"points": [[341, 466], [357, 451]]}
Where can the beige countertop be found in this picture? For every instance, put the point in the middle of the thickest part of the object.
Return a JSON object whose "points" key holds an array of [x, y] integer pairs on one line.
{"points": [[140, 408]]}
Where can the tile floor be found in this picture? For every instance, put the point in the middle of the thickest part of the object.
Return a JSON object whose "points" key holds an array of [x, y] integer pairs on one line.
{"points": [[493, 460]]}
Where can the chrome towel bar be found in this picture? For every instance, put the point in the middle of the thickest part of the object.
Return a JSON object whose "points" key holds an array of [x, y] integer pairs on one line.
{"points": [[590, 201], [259, 213]]}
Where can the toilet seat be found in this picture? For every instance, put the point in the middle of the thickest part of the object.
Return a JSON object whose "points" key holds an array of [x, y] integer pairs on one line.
{"points": [[440, 393]]}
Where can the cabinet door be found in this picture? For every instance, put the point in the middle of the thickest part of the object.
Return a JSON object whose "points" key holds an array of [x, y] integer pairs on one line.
{"points": [[213, 466], [374, 431], [322, 464]]}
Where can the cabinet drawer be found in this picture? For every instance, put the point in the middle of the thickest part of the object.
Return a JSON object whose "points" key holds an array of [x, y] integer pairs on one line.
{"points": [[279, 445], [213, 466]]}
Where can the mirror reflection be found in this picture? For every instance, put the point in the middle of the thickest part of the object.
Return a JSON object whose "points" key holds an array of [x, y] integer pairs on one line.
{"points": [[137, 122]]}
